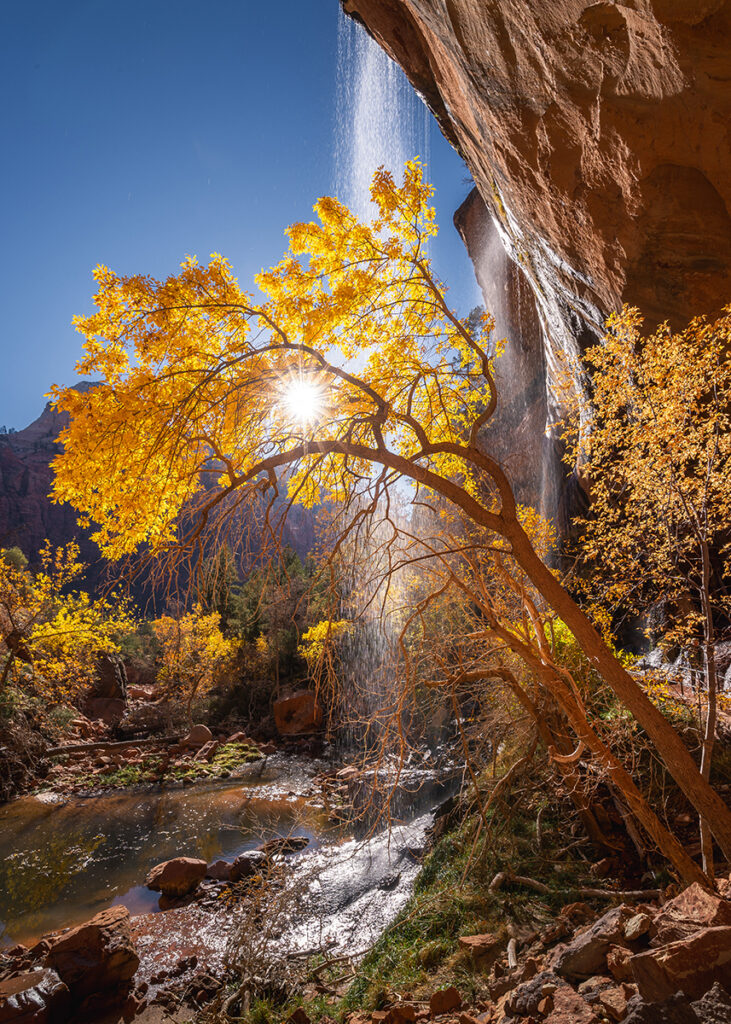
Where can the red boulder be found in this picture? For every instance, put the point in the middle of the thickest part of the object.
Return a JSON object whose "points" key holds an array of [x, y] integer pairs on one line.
{"points": [[177, 877], [98, 956], [297, 714]]}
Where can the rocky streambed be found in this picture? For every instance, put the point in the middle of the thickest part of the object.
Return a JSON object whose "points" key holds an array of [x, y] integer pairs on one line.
{"points": [[64, 860]]}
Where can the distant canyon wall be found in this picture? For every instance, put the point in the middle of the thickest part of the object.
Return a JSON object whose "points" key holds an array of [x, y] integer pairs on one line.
{"points": [[598, 137], [28, 517]]}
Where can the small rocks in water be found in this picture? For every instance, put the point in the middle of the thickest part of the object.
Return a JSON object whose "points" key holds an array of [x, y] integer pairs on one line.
{"points": [[96, 957], [444, 1000], [220, 870], [202, 989], [177, 877], [38, 995], [390, 882], [198, 736]]}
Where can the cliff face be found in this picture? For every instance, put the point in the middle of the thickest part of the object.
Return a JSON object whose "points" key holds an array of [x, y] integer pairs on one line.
{"points": [[28, 517], [598, 137]]}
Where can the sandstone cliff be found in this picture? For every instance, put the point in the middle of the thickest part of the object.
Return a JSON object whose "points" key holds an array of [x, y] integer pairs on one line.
{"points": [[597, 135], [28, 517]]}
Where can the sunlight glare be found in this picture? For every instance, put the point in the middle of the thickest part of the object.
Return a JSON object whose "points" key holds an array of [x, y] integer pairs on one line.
{"points": [[303, 400]]}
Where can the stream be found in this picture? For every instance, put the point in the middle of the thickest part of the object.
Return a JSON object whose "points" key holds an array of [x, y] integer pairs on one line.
{"points": [[62, 861]]}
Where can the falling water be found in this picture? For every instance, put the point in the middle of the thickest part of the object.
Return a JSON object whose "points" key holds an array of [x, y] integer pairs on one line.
{"points": [[380, 119]]}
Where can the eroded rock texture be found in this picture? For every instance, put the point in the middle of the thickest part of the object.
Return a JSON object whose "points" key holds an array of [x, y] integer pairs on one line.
{"points": [[598, 136], [28, 517]]}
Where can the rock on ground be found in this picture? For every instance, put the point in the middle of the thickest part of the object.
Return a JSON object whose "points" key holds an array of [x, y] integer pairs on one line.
{"points": [[177, 877], [97, 956], [297, 714], [33, 997], [198, 736], [691, 965]]}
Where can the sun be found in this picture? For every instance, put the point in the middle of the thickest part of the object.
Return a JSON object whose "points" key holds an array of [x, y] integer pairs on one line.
{"points": [[303, 399]]}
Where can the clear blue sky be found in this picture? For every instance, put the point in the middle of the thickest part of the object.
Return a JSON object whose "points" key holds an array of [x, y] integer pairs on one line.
{"points": [[137, 132]]}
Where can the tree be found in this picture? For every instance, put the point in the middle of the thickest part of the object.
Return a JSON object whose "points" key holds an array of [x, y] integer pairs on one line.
{"points": [[350, 373], [658, 457], [193, 654], [467, 617], [321, 642], [55, 631]]}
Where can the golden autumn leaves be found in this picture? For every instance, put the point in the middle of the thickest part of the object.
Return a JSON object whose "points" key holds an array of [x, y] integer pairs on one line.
{"points": [[193, 370]]}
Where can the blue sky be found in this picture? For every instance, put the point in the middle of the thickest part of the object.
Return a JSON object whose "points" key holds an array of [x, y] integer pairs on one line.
{"points": [[135, 133]]}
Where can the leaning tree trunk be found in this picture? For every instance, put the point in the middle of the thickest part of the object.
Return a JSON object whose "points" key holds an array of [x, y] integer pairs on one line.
{"points": [[666, 843], [552, 680], [709, 730], [662, 734], [567, 770]]}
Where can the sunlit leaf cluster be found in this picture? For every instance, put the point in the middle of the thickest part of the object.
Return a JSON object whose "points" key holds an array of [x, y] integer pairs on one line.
{"points": [[194, 372], [53, 629]]}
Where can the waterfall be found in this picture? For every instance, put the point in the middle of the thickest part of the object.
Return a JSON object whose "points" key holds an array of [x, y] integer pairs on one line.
{"points": [[380, 120]]}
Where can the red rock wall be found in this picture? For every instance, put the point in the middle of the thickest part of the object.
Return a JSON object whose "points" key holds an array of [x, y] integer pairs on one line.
{"points": [[597, 135]]}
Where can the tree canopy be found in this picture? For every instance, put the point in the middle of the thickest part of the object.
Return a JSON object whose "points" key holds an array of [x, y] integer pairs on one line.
{"points": [[351, 375]]}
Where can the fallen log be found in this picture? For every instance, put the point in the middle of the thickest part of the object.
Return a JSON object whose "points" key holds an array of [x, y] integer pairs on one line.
{"points": [[503, 877], [75, 748]]}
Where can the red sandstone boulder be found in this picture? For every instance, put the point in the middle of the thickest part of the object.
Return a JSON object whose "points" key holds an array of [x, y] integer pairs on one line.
{"points": [[220, 870], [691, 965], [399, 1013], [618, 962], [177, 877], [565, 1006], [692, 910], [444, 1001], [198, 736], [297, 714], [96, 957], [484, 948], [586, 954], [33, 997], [249, 863]]}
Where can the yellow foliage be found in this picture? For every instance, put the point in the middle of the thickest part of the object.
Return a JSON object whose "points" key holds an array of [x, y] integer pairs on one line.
{"points": [[322, 639], [193, 653], [57, 632], [658, 458], [195, 372]]}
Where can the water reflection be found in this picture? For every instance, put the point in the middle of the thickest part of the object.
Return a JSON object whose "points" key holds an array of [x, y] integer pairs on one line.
{"points": [[61, 864]]}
